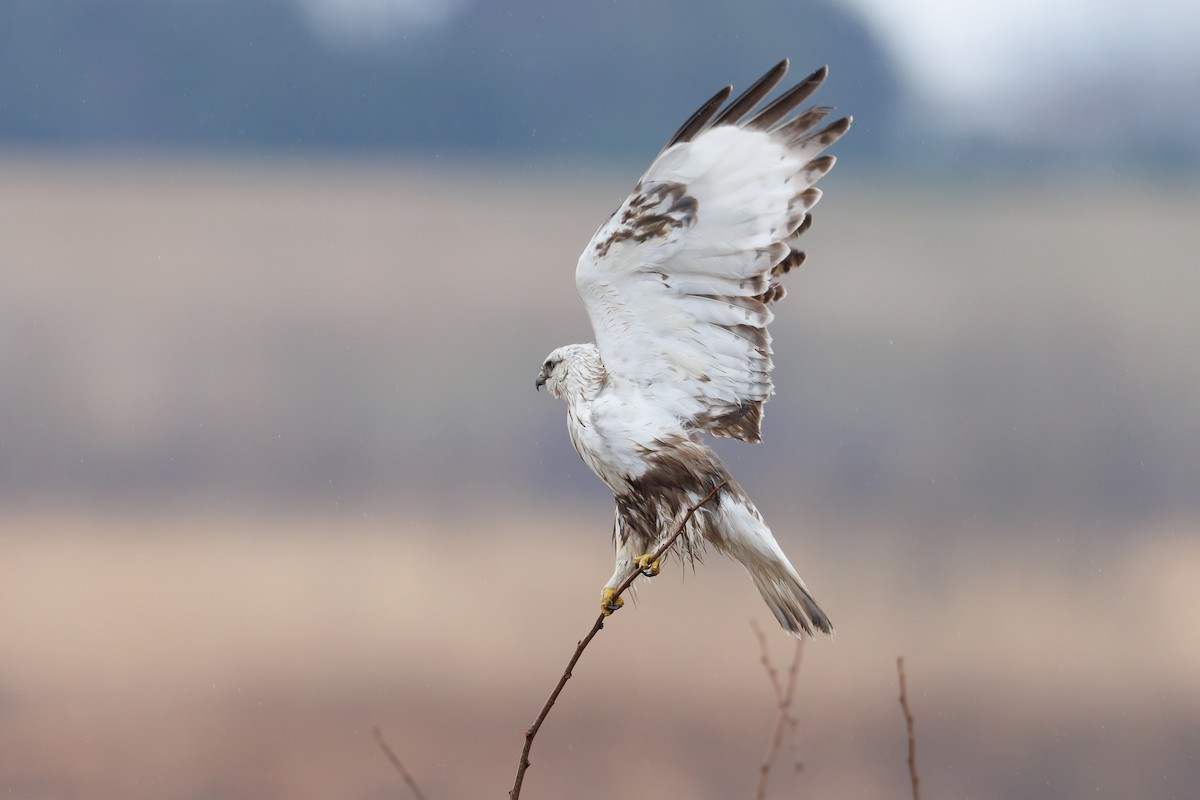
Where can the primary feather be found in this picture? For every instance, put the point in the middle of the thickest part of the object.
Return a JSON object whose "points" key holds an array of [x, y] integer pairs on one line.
{"points": [[679, 285]]}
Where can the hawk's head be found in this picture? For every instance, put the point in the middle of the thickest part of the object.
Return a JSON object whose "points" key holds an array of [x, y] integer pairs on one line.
{"points": [[572, 369]]}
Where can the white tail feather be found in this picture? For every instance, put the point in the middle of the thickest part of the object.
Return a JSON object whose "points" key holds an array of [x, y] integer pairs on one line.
{"points": [[748, 539], [789, 599]]}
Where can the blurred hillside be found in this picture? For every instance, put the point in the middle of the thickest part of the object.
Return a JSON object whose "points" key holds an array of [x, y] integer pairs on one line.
{"points": [[530, 76], [962, 88]]}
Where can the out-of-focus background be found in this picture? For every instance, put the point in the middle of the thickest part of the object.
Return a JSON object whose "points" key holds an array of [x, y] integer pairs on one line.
{"points": [[276, 277]]}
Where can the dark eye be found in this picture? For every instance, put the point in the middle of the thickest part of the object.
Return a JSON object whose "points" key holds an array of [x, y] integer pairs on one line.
{"points": [[548, 366]]}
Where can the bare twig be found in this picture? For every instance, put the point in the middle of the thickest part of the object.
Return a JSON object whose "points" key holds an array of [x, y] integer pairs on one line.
{"points": [[387, 751], [792, 720], [523, 764], [765, 660], [912, 739], [784, 698]]}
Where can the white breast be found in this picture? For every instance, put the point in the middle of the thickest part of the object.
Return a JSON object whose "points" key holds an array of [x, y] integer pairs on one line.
{"points": [[615, 432]]}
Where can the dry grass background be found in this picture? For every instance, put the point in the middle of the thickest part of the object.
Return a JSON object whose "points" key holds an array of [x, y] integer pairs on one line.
{"points": [[249, 657], [254, 501]]}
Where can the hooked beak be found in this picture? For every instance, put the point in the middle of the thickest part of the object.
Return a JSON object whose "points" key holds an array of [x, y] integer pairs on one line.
{"points": [[540, 382]]}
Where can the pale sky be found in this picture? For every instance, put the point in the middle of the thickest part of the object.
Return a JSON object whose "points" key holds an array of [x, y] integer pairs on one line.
{"points": [[348, 20], [975, 62]]}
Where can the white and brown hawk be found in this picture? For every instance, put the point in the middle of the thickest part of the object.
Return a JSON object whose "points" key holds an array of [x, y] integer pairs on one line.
{"points": [[679, 284]]}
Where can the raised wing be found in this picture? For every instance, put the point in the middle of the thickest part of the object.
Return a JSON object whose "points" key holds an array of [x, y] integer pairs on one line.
{"points": [[679, 282]]}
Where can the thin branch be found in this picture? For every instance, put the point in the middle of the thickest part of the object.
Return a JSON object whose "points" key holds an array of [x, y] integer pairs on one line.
{"points": [[790, 716], [912, 739], [523, 764], [765, 660], [784, 698], [387, 751]]}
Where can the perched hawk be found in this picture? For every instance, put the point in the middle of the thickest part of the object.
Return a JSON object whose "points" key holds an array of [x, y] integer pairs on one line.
{"points": [[679, 285]]}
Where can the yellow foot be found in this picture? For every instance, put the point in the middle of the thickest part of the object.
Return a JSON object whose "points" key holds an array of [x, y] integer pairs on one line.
{"points": [[648, 564], [609, 602]]}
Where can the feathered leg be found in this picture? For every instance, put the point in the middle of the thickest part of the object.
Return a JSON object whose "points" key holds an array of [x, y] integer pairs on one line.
{"points": [[630, 549]]}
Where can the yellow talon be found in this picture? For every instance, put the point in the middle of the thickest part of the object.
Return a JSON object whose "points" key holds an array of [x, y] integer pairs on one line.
{"points": [[609, 602], [648, 564]]}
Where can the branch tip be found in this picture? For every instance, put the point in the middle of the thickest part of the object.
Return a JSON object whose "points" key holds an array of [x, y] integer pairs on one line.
{"points": [[912, 737], [784, 698], [392, 757]]}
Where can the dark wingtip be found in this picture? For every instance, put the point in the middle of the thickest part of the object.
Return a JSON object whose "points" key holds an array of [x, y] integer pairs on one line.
{"points": [[699, 120], [831, 132], [774, 113], [772, 117], [748, 99]]}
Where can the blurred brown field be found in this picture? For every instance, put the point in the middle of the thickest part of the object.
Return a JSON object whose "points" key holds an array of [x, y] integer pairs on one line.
{"points": [[199, 656], [272, 472]]}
